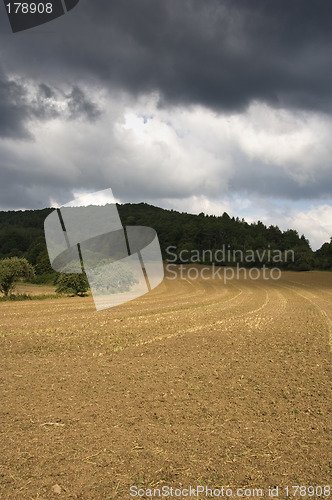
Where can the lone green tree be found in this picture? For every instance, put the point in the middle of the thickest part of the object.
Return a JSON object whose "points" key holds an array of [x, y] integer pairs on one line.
{"points": [[72, 284], [11, 269]]}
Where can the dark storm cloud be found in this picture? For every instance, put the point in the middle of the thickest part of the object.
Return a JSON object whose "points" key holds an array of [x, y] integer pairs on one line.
{"points": [[219, 53], [80, 106], [13, 111], [268, 181], [45, 91], [19, 104]]}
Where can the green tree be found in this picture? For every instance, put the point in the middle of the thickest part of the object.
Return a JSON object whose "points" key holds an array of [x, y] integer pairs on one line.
{"points": [[324, 256], [11, 269], [73, 284], [304, 259], [43, 265]]}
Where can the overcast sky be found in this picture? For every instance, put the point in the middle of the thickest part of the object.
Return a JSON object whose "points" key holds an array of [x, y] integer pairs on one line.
{"points": [[196, 105]]}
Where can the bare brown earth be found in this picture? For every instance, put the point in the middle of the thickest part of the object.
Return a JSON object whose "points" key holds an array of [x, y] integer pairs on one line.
{"points": [[197, 382]]}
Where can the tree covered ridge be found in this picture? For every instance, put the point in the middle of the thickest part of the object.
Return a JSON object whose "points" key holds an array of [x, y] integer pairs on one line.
{"points": [[22, 235]]}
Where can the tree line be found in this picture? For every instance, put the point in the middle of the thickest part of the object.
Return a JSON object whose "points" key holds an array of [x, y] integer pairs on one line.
{"points": [[22, 235]]}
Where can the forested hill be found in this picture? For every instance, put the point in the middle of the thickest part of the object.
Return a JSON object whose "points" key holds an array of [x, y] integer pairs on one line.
{"points": [[22, 234]]}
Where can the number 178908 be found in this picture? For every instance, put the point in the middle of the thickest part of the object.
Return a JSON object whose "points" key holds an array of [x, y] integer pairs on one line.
{"points": [[308, 491], [29, 8]]}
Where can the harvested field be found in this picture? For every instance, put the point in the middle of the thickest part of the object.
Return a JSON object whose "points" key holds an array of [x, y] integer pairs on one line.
{"points": [[197, 383], [22, 288]]}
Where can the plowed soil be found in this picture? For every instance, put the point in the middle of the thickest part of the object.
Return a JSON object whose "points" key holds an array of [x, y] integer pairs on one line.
{"points": [[196, 383]]}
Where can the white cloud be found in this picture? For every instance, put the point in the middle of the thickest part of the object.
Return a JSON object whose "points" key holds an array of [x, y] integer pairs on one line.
{"points": [[297, 142], [197, 204], [315, 223]]}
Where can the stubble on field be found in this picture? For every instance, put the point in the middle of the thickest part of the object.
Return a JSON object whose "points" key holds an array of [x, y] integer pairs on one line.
{"points": [[198, 382]]}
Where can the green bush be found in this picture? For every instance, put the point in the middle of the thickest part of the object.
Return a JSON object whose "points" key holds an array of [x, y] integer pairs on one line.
{"points": [[72, 284], [45, 279]]}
